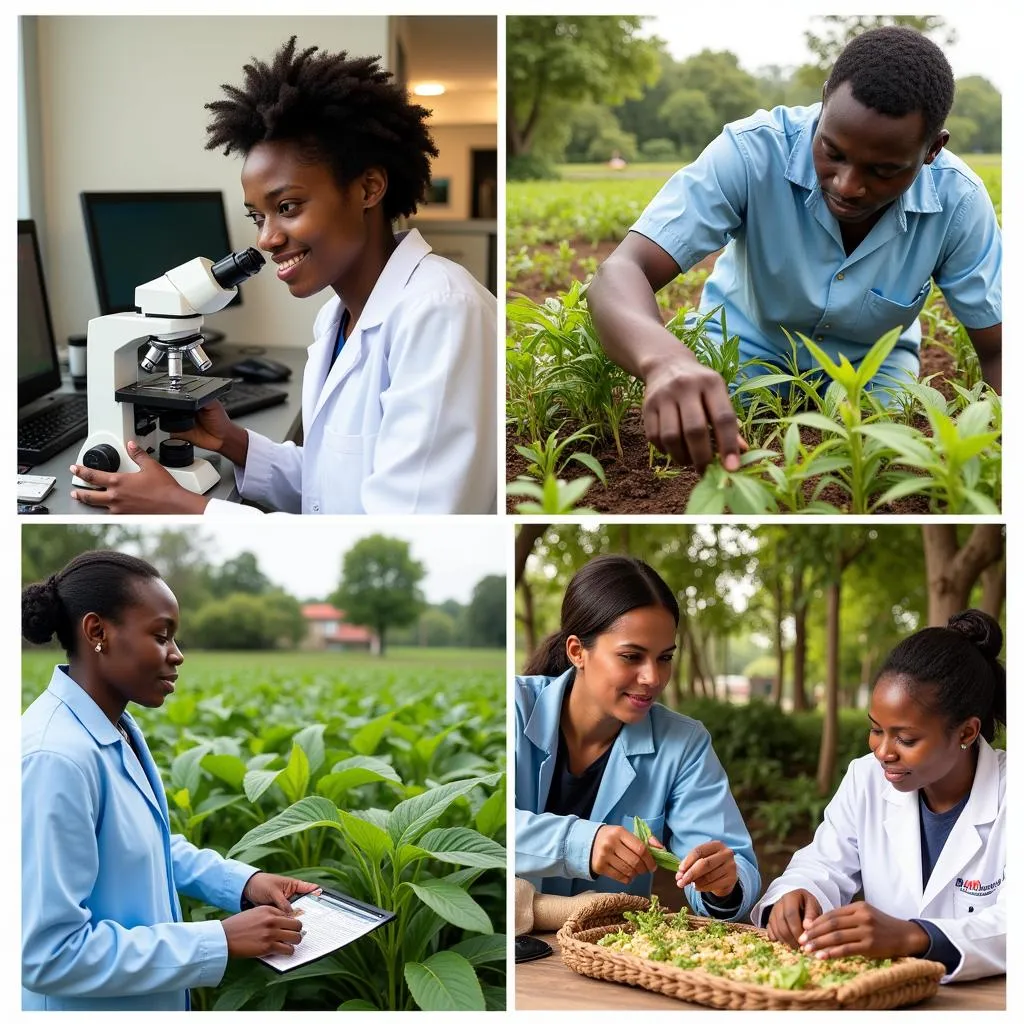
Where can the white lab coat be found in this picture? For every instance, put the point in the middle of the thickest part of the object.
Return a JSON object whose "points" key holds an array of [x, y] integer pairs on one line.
{"points": [[406, 419], [870, 839]]}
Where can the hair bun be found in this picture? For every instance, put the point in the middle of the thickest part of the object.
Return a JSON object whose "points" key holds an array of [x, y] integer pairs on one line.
{"points": [[981, 629], [40, 608]]}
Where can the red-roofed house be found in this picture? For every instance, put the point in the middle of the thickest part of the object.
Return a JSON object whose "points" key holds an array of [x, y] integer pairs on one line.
{"points": [[327, 630]]}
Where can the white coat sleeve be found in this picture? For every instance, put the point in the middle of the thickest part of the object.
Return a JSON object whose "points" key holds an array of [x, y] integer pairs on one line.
{"points": [[272, 475], [554, 844], [65, 951], [980, 939], [829, 868], [206, 875], [436, 450]]}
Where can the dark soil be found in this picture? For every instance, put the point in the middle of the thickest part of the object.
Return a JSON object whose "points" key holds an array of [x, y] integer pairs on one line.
{"points": [[632, 486]]}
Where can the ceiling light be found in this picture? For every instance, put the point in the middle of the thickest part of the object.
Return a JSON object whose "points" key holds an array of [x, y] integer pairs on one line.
{"points": [[428, 89]]}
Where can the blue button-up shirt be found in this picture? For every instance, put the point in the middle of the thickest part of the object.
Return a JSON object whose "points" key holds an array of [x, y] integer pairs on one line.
{"points": [[754, 190]]}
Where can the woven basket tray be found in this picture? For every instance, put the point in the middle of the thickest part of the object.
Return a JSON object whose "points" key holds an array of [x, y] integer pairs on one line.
{"points": [[906, 981]]}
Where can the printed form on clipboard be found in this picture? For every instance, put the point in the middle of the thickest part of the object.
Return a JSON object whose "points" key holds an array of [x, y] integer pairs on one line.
{"points": [[330, 920]]}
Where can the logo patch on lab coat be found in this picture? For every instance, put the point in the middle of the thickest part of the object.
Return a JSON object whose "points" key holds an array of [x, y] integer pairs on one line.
{"points": [[973, 885]]}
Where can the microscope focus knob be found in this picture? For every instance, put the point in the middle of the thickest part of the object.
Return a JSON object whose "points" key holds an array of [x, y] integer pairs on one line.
{"points": [[103, 457]]}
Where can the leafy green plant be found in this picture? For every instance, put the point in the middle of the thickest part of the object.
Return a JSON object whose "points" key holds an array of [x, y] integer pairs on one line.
{"points": [[546, 459], [552, 497]]}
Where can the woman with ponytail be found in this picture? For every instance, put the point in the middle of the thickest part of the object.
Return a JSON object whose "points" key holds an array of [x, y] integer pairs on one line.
{"points": [[594, 749], [919, 824], [102, 927]]}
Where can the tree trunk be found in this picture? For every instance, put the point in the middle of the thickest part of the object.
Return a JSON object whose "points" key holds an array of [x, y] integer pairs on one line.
{"points": [[993, 589], [527, 619], [800, 702], [780, 654], [528, 535], [830, 720], [953, 571], [381, 630]]}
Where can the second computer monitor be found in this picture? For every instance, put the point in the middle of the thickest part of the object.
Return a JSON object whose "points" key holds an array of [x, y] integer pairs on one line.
{"points": [[135, 237]]}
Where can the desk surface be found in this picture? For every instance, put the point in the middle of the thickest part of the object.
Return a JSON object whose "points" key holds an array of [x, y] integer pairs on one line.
{"points": [[549, 985], [279, 423]]}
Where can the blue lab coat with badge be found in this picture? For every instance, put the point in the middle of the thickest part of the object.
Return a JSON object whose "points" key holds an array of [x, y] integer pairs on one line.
{"points": [[661, 768], [102, 925]]}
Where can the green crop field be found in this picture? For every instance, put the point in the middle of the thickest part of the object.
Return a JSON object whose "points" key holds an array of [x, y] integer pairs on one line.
{"points": [[381, 777]]}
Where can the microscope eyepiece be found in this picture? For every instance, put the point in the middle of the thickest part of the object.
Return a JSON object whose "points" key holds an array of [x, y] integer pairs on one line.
{"points": [[237, 266]]}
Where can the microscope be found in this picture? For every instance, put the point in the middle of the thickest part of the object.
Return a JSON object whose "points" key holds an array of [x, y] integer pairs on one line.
{"points": [[122, 407]]}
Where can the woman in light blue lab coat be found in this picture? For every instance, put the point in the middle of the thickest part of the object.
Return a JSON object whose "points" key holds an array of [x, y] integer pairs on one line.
{"points": [[919, 825], [594, 749], [399, 394], [102, 926]]}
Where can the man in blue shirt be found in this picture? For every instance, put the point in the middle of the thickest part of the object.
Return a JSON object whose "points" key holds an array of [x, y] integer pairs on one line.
{"points": [[834, 217]]}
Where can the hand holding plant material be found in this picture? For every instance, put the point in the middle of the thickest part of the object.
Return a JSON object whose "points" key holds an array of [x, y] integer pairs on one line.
{"points": [[619, 854], [791, 915], [260, 931], [860, 929], [662, 857], [275, 890], [711, 867]]}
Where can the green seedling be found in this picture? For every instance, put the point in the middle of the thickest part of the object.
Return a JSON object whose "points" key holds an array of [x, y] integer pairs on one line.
{"points": [[662, 857], [549, 458], [553, 497]]}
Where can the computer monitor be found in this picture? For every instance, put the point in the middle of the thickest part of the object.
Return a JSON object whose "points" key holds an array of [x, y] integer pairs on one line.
{"points": [[38, 369], [135, 237]]}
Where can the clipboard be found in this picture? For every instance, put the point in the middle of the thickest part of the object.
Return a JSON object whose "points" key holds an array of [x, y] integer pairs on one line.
{"points": [[330, 921]]}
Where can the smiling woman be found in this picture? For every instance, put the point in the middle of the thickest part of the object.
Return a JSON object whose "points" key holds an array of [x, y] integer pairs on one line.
{"points": [[399, 409], [102, 927], [919, 824], [594, 751]]}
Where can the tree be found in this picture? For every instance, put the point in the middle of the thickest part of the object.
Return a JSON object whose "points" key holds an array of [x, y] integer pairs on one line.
{"points": [[435, 628], [238, 575], [485, 616], [954, 566], [691, 119], [380, 585], [979, 102], [729, 90], [245, 622], [553, 60]]}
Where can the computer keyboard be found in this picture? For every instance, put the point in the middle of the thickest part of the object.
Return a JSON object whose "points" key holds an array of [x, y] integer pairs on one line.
{"points": [[46, 433], [244, 398]]}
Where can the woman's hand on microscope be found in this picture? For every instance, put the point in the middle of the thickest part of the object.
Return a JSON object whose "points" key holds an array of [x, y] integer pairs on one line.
{"points": [[151, 490], [215, 432]]}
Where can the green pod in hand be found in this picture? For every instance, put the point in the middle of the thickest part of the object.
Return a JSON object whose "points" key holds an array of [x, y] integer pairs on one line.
{"points": [[663, 858]]}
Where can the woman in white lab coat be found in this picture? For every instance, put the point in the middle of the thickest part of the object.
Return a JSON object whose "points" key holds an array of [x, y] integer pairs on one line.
{"points": [[399, 392], [919, 824]]}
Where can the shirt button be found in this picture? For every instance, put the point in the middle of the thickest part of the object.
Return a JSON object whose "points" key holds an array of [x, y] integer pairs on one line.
{"points": [[827, 327], [316, 508], [839, 276], [820, 337]]}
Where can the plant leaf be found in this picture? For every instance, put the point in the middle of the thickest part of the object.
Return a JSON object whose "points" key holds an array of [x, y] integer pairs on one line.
{"points": [[311, 812], [453, 903], [482, 949], [225, 767], [295, 778], [411, 818], [460, 846], [445, 981], [311, 739]]}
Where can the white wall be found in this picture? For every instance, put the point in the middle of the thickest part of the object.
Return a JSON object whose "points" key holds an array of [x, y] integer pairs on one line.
{"points": [[453, 162], [121, 107]]}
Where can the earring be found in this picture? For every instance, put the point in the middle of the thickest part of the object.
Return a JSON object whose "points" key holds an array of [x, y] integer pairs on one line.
{"points": [[963, 746], [98, 648]]}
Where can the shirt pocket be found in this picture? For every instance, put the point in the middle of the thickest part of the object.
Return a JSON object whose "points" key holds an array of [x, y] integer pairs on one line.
{"points": [[343, 462], [967, 904], [879, 315]]}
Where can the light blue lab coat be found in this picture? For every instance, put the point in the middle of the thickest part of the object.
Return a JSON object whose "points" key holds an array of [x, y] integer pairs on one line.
{"points": [[661, 768], [101, 923]]}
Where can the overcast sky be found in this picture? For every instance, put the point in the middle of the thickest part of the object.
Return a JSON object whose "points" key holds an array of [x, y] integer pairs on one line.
{"points": [[775, 35], [305, 557]]}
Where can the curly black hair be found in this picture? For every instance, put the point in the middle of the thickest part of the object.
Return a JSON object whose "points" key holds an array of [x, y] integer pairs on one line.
{"points": [[342, 111], [896, 70]]}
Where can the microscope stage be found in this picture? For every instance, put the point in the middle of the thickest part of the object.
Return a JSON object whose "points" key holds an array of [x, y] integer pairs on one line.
{"points": [[164, 392]]}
